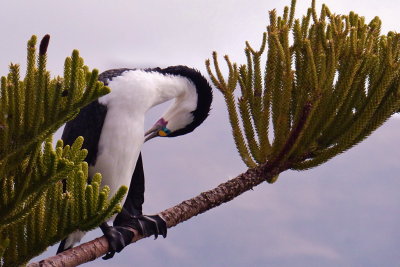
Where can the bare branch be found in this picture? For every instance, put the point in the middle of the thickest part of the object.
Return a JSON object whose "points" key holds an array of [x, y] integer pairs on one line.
{"points": [[184, 211]]}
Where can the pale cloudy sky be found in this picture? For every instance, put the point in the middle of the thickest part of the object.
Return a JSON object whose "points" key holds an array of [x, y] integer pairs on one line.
{"points": [[344, 213]]}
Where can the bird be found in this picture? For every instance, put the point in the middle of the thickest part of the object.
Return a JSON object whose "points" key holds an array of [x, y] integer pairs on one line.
{"points": [[113, 131]]}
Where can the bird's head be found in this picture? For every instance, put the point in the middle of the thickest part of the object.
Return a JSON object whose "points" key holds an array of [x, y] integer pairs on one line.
{"points": [[190, 108]]}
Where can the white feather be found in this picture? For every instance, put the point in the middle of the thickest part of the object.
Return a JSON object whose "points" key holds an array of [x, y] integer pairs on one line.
{"points": [[122, 136], [73, 238]]}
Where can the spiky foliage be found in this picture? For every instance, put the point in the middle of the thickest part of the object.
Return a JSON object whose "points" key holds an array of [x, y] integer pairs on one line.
{"points": [[35, 211], [317, 96]]}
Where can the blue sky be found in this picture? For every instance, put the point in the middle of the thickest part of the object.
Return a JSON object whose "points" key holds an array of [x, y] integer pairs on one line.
{"points": [[344, 213]]}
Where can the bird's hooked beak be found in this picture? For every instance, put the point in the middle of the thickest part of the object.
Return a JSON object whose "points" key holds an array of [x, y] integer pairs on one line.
{"points": [[152, 132], [158, 129]]}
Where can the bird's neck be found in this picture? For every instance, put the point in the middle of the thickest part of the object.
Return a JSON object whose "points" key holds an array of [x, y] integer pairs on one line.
{"points": [[167, 87], [137, 91]]}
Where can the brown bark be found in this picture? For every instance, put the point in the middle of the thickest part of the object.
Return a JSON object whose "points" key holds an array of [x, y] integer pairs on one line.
{"points": [[187, 209]]}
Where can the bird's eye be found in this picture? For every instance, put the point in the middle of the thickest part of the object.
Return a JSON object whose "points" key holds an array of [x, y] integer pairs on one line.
{"points": [[164, 131]]}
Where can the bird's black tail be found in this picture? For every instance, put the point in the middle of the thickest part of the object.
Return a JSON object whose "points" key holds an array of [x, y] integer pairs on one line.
{"points": [[61, 247]]}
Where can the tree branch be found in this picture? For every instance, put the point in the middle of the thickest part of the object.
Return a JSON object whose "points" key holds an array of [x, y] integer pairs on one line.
{"points": [[184, 211]]}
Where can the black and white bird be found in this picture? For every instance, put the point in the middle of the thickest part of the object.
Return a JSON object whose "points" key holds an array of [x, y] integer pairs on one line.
{"points": [[113, 131]]}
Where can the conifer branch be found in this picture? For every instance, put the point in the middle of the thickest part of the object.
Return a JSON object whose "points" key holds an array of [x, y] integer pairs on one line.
{"points": [[35, 212], [335, 56]]}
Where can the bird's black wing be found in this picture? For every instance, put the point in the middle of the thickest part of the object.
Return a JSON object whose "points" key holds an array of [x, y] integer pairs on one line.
{"points": [[87, 124]]}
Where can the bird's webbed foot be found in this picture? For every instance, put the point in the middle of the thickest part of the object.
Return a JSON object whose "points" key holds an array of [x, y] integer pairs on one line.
{"points": [[146, 225], [118, 237]]}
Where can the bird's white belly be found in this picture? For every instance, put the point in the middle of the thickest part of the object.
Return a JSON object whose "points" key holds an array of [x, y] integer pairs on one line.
{"points": [[119, 147]]}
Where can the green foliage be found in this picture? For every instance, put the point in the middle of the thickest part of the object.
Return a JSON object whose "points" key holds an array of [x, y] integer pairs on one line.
{"points": [[317, 96], [35, 212]]}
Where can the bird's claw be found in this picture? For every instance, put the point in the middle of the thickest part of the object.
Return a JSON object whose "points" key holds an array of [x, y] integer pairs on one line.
{"points": [[151, 225], [146, 225], [118, 237]]}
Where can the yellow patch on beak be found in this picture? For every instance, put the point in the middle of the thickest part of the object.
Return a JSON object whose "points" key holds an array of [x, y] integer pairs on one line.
{"points": [[162, 133]]}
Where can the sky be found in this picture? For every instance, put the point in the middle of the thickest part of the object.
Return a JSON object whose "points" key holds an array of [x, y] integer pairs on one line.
{"points": [[343, 213]]}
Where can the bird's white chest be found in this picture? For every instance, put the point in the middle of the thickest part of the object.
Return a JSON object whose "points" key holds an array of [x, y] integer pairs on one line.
{"points": [[119, 146]]}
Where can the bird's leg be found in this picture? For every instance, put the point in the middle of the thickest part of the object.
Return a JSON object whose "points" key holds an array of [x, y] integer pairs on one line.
{"points": [[117, 237], [132, 216], [120, 235]]}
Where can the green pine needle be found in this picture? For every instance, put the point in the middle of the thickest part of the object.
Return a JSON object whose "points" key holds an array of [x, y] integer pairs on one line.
{"points": [[34, 211]]}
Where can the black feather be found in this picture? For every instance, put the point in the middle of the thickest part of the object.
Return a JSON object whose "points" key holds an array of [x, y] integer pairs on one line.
{"points": [[87, 124], [107, 75]]}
